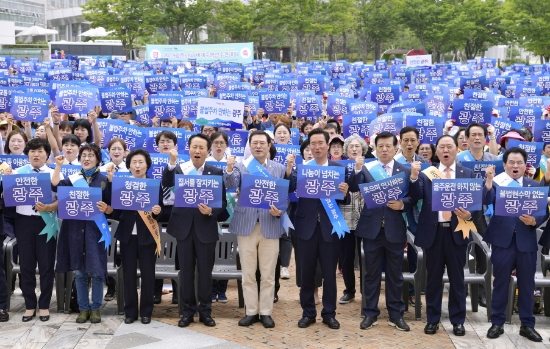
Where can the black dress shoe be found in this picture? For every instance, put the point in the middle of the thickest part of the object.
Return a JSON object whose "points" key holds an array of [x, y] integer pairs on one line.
{"points": [[267, 321], [332, 323], [495, 331], [157, 299], [400, 324], [306, 321], [530, 334], [459, 330], [482, 301], [174, 300], [348, 297], [249, 320], [208, 321], [145, 320], [431, 328], [130, 320], [185, 321], [111, 292], [44, 318], [4, 316], [368, 322], [28, 318]]}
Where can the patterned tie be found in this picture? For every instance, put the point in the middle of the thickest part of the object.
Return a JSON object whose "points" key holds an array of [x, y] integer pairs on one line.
{"points": [[387, 169], [166, 192], [37, 170], [117, 168], [447, 214]]}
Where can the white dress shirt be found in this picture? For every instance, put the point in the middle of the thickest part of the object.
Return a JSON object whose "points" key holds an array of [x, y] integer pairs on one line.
{"points": [[453, 176], [27, 210]]}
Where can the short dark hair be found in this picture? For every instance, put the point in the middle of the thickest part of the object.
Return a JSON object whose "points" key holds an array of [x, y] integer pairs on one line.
{"points": [[86, 124], [384, 135], [306, 123], [272, 152], [318, 131], [203, 126], [514, 150], [71, 138], [457, 134], [65, 124], [167, 134], [201, 136], [455, 141], [94, 148], [331, 126], [139, 151], [303, 146], [336, 123], [408, 129], [37, 143], [219, 134], [282, 125], [475, 124], [259, 132]]}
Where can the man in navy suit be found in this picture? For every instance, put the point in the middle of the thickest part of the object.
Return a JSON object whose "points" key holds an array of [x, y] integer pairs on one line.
{"points": [[384, 233], [196, 230], [316, 241], [514, 246], [444, 247]]}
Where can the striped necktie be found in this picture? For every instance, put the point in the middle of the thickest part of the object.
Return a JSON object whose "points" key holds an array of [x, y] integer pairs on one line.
{"points": [[37, 170]]}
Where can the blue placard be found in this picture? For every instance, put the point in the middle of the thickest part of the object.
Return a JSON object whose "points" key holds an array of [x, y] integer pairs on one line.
{"points": [[237, 142], [164, 106], [320, 182], [448, 194], [525, 115], [337, 105], [115, 99], [67, 170], [139, 194], [378, 193], [429, 128], [79, 203], [156, 83], [479, 167], [473, 83], [533, 150], [503, 125], [133, 136], [466, 111], [391, 122], [192, 190], [241, 96], [27, 189], [136, 84], [15, 161], [384, 95], [283, 150], [516, 201], [308, 106], [261, 192], [274, 102], [541, 131], [5, 96], [357, 124], [29, 106], [142, 115], [76, 100], [159, 162]]}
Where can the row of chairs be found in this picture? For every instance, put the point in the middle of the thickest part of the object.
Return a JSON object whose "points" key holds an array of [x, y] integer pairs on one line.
{"points": [[226, 266]]}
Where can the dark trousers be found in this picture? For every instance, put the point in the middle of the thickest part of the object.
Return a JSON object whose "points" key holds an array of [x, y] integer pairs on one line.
{"points": [[412, 259], [3, 282], [505, 260], [131, 253], [316, 248], [377, 251], [445, 252], [348, 245], [219, 286], [33, 250], [318, 276], [193, 253]]}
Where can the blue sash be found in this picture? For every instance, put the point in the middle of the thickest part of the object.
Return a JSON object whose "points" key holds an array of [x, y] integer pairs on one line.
{"points": [[339, 225], [78, 181], [255, 168], [503, 181], [49, 217], [378, 173], [542, 163]]}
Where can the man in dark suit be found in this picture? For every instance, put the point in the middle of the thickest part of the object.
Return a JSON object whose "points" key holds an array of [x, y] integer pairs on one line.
{"points": [[444, 247], [316, 241], [384, 233], [196, 230], [514, 246]]}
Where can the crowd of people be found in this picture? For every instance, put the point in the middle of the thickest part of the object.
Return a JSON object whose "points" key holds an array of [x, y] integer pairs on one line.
{"points": [[265, 242]]}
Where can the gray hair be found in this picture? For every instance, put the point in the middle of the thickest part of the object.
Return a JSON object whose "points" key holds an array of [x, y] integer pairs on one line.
{"points": [[361, 141]]}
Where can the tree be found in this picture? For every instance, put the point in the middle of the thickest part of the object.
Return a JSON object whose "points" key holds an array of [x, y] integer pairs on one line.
{"points": [[377, 22], [180, 19], [527, 21], [124, 17], [340, 19], [238, 20]]}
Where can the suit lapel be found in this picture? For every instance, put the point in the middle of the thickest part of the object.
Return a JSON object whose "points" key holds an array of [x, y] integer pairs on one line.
{"points": [[396, 168], [459, 172]]}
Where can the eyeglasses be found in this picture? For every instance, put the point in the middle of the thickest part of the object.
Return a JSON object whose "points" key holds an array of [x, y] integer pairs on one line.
{"points": [[166, 142], [474, 135], [317, 145], [87, 156], [255, 144], [219, 144]]}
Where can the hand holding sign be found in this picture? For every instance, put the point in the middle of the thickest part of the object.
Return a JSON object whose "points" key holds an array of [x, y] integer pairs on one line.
{"points": [[462, 213], [395, 205], [343, 188], [230, 162], [110, 172], [9, 171], [528, 220], [489, 175], [102, 207], [156, 209], [275, 212], [205, 210], [290, 159], [40, 207]]}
